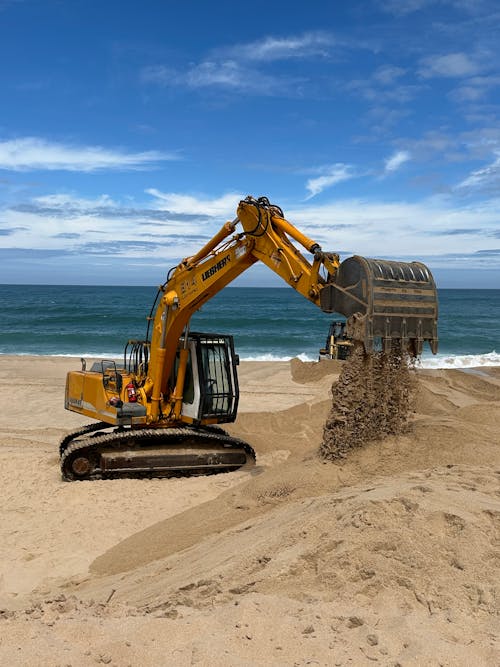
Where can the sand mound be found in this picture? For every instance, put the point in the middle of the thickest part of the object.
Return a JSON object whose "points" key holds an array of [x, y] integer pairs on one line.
{"points": [[297, 432], [364, 540], [311, 371], [291, 430], [394, 561]]}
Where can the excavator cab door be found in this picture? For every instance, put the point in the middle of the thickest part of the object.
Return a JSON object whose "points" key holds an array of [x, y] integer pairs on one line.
{"points": [[211, 386]]}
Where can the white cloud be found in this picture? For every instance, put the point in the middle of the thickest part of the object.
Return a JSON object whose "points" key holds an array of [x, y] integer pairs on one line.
{"points": [[475, 88], [484, 178], [86, 229], [452, 65], [190, 205], [76, 225], [396, 160], [388, 74], [431, 227], [403, 7], [281, 48], [208, 73], [380, 90], [63, 201], [332, 174], [33, 153], [467, 94], [227, 74], [241, 66]]}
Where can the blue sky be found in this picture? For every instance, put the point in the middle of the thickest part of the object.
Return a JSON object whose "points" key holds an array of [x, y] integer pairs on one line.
{"points": [[129, 131]]}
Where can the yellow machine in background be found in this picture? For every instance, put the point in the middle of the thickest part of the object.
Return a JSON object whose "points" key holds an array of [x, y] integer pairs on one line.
{"points": [[338, 344], [158, 411]]}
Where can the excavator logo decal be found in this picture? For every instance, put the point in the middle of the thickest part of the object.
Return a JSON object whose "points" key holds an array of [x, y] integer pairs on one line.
{"points": [[216, 267], [187, 286]]}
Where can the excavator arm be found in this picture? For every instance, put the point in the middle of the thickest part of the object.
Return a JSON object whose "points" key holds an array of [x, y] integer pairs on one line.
{"points": [[264, 237], [381, 299]]}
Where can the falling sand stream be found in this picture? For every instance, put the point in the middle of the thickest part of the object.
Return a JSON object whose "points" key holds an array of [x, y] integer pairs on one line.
{"points": [[370, 399]]}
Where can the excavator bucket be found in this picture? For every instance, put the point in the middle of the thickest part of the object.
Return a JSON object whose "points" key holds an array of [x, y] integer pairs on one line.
{"points": [[385, 301]]}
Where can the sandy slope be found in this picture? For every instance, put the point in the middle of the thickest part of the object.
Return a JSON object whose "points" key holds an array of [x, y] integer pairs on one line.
{"points": [[391, 556]]}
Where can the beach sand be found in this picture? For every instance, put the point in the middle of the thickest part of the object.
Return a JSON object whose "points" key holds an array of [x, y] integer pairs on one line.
{"points": [[389, 556]]}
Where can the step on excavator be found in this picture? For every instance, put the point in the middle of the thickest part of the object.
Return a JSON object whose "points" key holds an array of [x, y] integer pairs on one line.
{"points": [[159, 412]]}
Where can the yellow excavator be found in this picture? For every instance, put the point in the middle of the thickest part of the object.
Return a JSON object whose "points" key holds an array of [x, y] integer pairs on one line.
{"points": [[158, 412]]}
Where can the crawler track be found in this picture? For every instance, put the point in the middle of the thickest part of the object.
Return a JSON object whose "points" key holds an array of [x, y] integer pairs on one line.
{"points": [[83, 430], [92, 453]]}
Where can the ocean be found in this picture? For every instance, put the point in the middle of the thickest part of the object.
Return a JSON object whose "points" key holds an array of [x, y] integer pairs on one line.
{"points": [[267, 323]]}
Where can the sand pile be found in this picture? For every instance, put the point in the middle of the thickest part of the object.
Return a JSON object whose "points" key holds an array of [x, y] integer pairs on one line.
{"points": [[389, 555]]}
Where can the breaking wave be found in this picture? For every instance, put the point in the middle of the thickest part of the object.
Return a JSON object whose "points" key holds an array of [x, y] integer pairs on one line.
{"points": [[460, 360], [442, 360]]}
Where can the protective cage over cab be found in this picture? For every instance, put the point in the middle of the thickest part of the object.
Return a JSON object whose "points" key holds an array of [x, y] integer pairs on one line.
{"points": [[385, 300], [211, 384]]}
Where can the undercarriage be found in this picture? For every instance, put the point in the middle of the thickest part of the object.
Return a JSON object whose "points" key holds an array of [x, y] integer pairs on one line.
{"points": [[101, 451]]}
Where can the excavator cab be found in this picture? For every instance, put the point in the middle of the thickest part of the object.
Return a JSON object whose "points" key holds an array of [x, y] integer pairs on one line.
{"points": [[211, 385]]}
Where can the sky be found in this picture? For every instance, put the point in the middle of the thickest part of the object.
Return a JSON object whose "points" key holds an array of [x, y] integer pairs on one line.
{"points": [[129, 132]]}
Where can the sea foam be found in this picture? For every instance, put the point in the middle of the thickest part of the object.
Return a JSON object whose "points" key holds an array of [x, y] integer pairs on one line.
{"points": [[439, 361], [460, 360], [275, 357]]}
